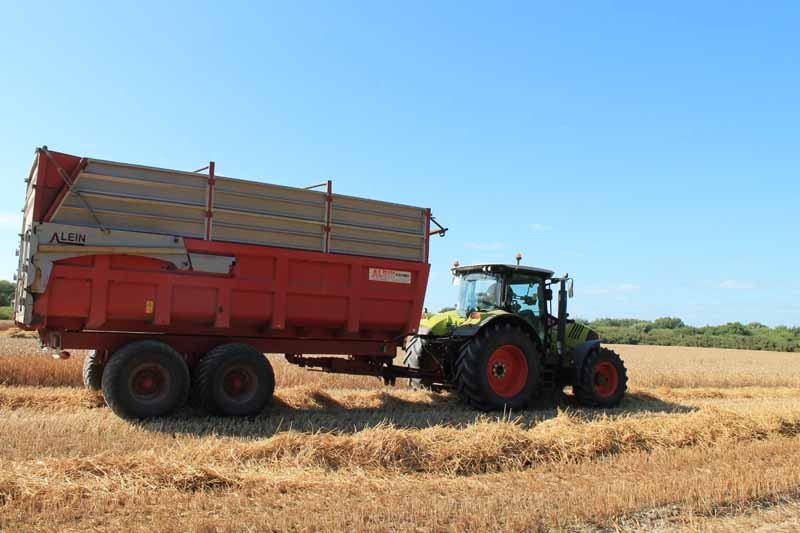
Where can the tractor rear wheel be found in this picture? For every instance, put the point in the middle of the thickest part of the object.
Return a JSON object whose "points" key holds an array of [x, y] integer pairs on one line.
{"points": [[499, 368], [92, 371], [145, 379], [418, 358], [233, 380], [602, 379]]}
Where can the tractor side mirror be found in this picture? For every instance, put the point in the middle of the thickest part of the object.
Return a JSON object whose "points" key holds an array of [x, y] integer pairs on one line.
{"points": [[548, 294], [570, 289]]}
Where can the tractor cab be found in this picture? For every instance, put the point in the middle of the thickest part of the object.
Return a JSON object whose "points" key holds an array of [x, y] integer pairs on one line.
{"points": [[500, 288]]}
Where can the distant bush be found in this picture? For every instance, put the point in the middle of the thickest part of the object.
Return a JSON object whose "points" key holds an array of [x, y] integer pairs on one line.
{"points": [[668, 322], [5, 312], [671, 331], [6, 293]]}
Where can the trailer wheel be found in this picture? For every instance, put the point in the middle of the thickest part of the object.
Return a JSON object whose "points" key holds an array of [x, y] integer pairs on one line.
{"points": [[92, 372], [498, 368], [233, 380], [418, 358], [145, 379], [602, 379]]}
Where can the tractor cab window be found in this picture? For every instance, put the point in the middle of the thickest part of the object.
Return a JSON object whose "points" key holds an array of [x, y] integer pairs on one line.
{"points": [[525, 298], [478, 292]]}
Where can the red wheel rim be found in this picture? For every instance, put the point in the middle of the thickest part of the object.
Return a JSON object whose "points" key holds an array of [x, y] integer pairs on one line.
{"points": [[507, 370], [239, 383], [149, 382], [605, 379]]}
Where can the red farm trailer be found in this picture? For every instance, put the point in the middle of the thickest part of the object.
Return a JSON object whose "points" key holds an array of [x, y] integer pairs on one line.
{"points": [[180, 281]]}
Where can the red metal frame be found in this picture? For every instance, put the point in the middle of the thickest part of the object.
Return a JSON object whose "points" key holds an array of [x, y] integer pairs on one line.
{"points": [[210, 200], [427, 234], [200, 344], [328, 214], [50, 187], [70, 180]]}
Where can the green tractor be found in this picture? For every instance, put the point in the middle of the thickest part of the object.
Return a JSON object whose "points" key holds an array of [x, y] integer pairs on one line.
{"points": [[503, 348]]}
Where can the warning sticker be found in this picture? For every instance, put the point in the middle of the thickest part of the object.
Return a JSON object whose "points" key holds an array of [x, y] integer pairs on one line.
{"points": [[390, 276]]}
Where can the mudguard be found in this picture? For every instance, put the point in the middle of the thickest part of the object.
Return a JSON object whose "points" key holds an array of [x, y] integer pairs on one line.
{"points": [[579, 353], [473, 329]]}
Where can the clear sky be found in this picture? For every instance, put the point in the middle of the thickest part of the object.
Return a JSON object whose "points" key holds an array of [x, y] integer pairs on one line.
{"points": [[652, 151]]}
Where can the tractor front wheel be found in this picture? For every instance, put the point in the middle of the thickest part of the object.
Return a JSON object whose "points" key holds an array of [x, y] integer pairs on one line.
{"points": [[602, 379], [499, 368]]}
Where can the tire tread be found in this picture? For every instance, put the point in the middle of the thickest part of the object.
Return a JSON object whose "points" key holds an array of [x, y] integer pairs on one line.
{"points": [[203, 382], [583, 388], [115, 398]]}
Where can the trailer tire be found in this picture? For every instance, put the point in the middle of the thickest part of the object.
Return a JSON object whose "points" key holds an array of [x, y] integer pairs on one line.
{"points": [[418, 358], [145, 379], [92, 371], [499, 368], [602, 379], [233, 380]]}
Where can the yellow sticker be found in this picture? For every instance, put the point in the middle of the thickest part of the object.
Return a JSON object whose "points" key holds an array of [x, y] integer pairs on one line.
{"points": [[148, 306]]}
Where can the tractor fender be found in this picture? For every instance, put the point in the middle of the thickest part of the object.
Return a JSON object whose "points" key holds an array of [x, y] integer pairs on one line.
{"points": [[465, 332], [579, 353]]}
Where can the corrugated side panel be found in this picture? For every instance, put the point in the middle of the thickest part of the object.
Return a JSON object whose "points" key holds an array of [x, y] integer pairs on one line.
{"points": [[135, 198], [380, 229], [272, 215], [147, 199]]}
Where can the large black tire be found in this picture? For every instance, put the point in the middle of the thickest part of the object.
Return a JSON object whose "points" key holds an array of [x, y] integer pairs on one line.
{"points": [[233, 380], [145, 379], [602, 379], [92, 372], [417, 357], [499, 368]]}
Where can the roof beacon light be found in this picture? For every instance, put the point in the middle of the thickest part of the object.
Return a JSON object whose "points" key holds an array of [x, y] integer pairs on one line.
{"points": [[519, 258]]}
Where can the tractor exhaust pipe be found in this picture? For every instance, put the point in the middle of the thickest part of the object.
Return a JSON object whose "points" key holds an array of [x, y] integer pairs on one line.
{"points": [[561, 334]]}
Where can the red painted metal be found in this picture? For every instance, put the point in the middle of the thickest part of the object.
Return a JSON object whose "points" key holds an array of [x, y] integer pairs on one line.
{"points": [[50, 186], [201, 344], [507, 371], [210, 200], [70, 179], [328, 214], [291, 301], [427, 234], [606, 379]]}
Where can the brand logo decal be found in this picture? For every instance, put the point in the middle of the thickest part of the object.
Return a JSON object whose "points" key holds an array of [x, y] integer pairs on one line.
{"points": [[390, 276], [63, 237]]}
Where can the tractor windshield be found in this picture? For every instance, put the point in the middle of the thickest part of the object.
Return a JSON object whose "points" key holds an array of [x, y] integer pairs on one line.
{"points": [[478, 292]]}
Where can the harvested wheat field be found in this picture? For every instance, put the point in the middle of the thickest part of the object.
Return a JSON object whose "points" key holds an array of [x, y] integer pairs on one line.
{"points": [[707, 440]]}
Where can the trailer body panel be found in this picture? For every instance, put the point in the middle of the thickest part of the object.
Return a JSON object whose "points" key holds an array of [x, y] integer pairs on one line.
{"points": [[113, 250]]}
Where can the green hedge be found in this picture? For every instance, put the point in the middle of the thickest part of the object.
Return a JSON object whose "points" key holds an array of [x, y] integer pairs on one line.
{"points": [[671, 331]]}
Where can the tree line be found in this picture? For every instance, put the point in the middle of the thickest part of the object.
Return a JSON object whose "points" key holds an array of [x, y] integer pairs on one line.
{"points": [[672, 331]]}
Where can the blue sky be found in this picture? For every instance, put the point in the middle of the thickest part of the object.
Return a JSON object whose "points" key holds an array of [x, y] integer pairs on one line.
{"points": [[652, 151]]}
